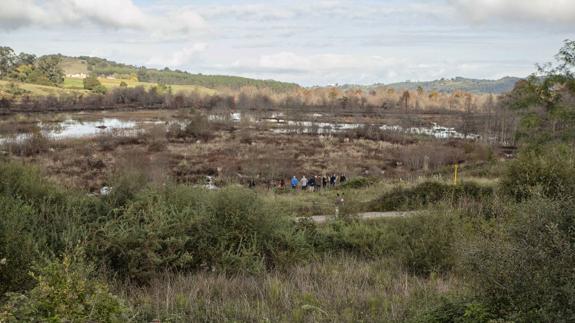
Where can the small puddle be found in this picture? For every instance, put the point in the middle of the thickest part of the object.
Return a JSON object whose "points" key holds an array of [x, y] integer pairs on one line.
{"points": [[79, 129]]}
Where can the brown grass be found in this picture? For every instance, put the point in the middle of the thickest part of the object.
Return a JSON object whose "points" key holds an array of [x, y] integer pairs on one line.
{"points": [[337, 289], [33, 144], [241, 152]]}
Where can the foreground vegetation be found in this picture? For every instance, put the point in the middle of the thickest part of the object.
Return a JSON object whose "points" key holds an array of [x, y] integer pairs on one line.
{"points": [[503, 252], [452, 262]]}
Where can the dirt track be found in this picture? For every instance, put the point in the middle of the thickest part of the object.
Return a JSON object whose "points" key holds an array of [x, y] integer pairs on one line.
{"points": [[362, 216]]}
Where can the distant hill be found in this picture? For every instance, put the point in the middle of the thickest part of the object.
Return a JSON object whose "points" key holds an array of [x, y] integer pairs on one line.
{"points": [[104, 67], [502, 85]]}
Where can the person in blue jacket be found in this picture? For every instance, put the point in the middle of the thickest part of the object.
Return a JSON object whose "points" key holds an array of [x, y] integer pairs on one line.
{"points": [[294, 182]]}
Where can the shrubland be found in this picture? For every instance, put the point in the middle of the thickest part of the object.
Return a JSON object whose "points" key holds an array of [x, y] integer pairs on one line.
{"points": [[503, 252], [462, 261]]}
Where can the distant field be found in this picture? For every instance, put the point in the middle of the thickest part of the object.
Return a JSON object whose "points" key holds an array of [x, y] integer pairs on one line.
{"points": [[38, 90], [190, 88], [77, 83]]}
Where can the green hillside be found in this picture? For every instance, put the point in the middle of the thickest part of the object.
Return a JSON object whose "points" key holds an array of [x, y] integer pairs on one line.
{"points": [[103, 67], [78, 84]]}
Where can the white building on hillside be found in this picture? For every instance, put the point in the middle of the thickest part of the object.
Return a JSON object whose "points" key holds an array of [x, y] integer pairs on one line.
{"points": [[77, 76]]}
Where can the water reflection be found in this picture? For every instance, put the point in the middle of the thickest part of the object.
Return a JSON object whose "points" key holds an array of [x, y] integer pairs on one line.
{"points": [[71, 128]]}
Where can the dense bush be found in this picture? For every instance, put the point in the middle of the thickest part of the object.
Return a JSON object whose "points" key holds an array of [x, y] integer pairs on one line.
{"points": [[191, 229], [356, 183], [37, 219], [457, 311], [523, 267], [427, 242], [550, 170], [422, 243], [17, 249], [91, 82], [430, 193], [197, 128], [64, 291]]}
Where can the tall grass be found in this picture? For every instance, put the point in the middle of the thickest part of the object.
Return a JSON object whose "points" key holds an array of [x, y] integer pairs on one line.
{"points": [[331, 289]]}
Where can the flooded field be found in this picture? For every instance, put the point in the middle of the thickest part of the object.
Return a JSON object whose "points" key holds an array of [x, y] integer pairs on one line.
{"points": [[88, 150], [82, 125]]}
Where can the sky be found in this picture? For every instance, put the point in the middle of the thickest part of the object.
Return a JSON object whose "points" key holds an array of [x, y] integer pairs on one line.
{"points": [[310, 42]]}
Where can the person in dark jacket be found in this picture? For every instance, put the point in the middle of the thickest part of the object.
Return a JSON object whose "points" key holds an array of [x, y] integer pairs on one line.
{"points": [[311, 183], [332, 180]]}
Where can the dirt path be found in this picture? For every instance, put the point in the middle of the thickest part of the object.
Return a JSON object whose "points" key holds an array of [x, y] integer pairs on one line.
{"points": [[362, 216]]}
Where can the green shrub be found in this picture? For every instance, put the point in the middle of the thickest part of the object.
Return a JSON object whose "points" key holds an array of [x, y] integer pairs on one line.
{"points": [[19, 181], [422, 243], [356, 183], [523, 266], [192, 229], [125, 186], [427, 242], [18, 248], [550, 170], [100, 89], [91, 82], [370, 240], [457, 311], [64, 291], [429, 193], [243, 229], [37, 218]]}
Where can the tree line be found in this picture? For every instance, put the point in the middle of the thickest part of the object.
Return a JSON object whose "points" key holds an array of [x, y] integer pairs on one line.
{"points": [[29, 68]]}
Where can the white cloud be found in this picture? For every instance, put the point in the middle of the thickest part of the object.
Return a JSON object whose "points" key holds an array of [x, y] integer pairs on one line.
{"points": [[179, 58], [322, 69], [108, 14], [310, 42], [323, 62], [257, 11], [17, 13], [547, 11], [346, 9]]}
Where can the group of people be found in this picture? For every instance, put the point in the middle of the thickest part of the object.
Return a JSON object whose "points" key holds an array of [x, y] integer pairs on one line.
{"points": [[317, 182], [311, 183]]}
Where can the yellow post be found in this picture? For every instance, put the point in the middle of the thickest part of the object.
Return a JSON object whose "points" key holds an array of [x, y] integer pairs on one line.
{"points": [[455, 170]]}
